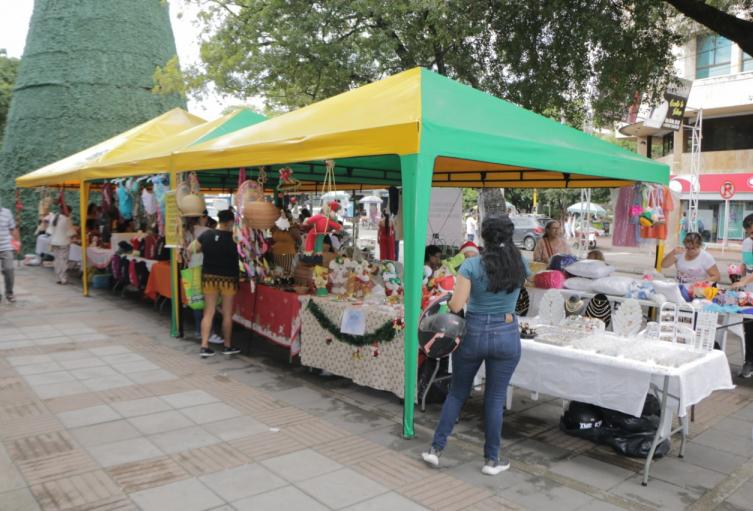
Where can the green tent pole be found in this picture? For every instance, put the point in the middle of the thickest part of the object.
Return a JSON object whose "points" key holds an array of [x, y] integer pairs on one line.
{"points": [[416, 171]]}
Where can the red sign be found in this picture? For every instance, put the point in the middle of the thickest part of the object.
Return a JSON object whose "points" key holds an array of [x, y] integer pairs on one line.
{"points": [[727, 190]]}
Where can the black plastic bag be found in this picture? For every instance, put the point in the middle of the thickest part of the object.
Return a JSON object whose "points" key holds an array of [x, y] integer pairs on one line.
{"points": [[637, 445], [646, 423]]}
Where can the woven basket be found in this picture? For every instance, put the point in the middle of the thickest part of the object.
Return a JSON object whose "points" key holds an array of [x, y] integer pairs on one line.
{"points": [[260, 214]]}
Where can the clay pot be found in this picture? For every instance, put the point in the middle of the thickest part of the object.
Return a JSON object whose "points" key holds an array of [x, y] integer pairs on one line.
{"points": [[260, 214], [192, 205]]}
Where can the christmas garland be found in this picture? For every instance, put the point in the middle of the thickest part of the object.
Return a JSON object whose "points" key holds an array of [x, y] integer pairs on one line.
{"points": [[384, 333]]}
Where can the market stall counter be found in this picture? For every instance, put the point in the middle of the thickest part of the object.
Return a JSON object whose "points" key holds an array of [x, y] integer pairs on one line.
{"points": [[271, 312], [374, 359]]}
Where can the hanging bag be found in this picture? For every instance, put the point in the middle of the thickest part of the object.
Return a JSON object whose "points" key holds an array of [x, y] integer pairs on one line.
{"points": [[191, 279]]}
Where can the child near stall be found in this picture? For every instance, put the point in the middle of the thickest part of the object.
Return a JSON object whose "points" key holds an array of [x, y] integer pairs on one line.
{"points": [[595, 254]]}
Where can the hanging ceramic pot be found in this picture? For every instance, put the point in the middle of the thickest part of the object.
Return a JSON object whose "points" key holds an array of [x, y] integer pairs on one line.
{"points": [[257, 212], [190, 204]]}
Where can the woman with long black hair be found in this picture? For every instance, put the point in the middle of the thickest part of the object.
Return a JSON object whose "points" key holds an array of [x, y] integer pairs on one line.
{"points": [[488, 288]]}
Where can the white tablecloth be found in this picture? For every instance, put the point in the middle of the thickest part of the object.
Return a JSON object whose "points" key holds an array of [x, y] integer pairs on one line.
{"points": [[99, 257], [615, 383], [74, 253], [117, 237]]}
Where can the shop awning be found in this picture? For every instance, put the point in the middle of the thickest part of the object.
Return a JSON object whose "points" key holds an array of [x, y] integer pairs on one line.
{"points": [[712, 184], [68, 171], [475, 140]]}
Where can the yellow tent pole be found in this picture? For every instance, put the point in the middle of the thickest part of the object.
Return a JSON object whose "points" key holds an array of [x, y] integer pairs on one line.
{"points": [[174, 291], [535, 200], [83, 206], [659, 254]]}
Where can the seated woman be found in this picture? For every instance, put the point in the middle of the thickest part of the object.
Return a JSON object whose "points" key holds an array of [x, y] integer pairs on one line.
{"points": [[692, 262], [551, 243]]}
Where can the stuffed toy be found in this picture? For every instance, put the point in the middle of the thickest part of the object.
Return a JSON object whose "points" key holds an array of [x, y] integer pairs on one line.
{"points": [[321, 223]]}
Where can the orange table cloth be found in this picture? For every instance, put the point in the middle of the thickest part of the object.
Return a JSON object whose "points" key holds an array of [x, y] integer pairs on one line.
{"points": [[159, 281]]}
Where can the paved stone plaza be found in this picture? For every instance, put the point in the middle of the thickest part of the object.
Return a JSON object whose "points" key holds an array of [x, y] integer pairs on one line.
{"points": [[100, 409]]}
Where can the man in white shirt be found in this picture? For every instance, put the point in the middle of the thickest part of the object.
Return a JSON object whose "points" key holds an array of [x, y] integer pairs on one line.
{"points": [[471, 227], [60, 241], [8, 232]]}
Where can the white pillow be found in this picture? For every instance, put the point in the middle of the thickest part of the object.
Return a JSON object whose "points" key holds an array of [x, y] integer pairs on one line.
{"points": [[615, 286], [589, 268], [579, 284], [670, 290]]}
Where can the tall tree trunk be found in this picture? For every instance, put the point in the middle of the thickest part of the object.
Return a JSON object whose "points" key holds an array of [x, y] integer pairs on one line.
{"points": [[733, 28]]}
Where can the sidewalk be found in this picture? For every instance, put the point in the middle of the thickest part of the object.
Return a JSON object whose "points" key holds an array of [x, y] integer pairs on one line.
{"points": [[101, 410]]}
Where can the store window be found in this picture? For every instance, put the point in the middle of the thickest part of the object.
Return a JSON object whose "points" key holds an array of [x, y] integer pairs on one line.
{"points": [[713, 55], [667, 143], [724, 134], [747, 62]]}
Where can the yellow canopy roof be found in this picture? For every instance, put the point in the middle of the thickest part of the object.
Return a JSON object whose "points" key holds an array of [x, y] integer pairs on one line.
{"points": [[378, 118], [69, 171], [155, 158]]}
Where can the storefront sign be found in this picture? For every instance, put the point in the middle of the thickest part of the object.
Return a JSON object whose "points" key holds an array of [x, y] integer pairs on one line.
{"points": [[669, 114], [727, 190], [172, 221]]}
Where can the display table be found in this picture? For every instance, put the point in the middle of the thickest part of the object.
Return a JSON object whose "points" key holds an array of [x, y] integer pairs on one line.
{"points": [[159, 280], [270, 312], [99, 257], [535, 294], [622, 384], [382, 369]]}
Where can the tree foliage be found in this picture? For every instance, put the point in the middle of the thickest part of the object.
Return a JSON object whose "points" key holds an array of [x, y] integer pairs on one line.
{"points": [[562, 58], [8, 72], [729, 18]]}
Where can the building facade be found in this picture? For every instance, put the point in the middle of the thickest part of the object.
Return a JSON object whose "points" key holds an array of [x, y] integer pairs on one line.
{"points": [[722, 76]]}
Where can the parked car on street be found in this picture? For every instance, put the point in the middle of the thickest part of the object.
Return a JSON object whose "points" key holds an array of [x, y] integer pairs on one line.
{"points": [[528, 231]]}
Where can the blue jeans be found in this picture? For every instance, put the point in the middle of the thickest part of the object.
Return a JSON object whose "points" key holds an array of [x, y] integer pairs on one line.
{"points": [[490, 340]]}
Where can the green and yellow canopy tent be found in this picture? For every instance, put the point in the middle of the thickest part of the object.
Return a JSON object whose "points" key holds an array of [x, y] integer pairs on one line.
{"points": [[145, 149], [417, 130]]}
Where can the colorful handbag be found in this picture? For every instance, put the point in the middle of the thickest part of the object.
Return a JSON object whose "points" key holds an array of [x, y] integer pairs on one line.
{"points": [[191, 279]]}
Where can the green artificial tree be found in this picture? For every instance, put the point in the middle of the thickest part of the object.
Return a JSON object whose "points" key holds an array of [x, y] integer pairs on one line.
{"points": [[85, 76]]}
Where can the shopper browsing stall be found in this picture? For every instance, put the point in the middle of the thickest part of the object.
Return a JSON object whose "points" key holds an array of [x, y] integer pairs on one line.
{"points": [[219, 277], [747, 283], [551, 243], [488, 288], [692, 262], [61, 231]]}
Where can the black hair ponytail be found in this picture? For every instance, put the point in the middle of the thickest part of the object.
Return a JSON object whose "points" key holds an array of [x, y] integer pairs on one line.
{"points": [[502, 260]]}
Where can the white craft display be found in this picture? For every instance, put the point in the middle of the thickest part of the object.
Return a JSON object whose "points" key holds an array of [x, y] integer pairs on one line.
{"points": [[552, 308], [626, 322]]}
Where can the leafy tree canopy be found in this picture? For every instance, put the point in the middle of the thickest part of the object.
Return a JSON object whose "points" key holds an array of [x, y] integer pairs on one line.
{"points": [[562, 58], [8, 71]]}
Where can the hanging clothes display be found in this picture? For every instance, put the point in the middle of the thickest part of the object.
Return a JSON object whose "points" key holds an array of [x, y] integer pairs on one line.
{"points": [[624, 230], [656, 203]]}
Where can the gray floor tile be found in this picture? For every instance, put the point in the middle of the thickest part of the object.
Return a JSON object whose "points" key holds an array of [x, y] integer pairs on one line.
{"points": [[29, 359], [683, 474], [183, 439], [10, 477], [45, 367], [238, 427], [134, 367], [341, 488], [123, 358], [190, 398], [124, 451], [735, 426], [287, 497], [210, 412], [187, 495], [241, 482], [94, 372], [105, 433], [136, 407], [658, 494], [53, 390], [160, 422], [301, 465], [82, 363], [711, 458], [106, 383], [48, 378], [593, 472], [391, 501], [67, 356], [538, 493], [88, 416], [743, 497], [152, 376], [734, 444], [599, 505], [19, 500], [109, 350]]}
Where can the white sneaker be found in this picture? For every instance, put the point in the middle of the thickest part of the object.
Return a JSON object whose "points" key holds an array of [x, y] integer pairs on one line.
{"points": [[494, 467], [216, 339], [432, 457]]}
